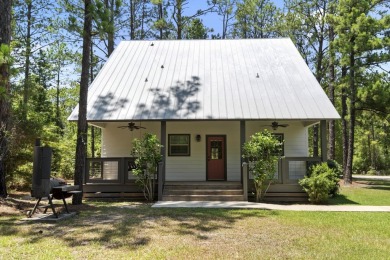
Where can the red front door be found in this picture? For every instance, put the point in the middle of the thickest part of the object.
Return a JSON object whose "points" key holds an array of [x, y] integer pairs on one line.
{"points": [[216, 158]]}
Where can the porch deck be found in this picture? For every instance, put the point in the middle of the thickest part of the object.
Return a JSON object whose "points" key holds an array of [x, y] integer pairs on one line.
{"points": [[112, 178]]}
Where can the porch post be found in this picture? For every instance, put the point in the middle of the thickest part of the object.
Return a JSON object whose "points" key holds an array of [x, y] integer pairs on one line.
{"points": [[160, 180], [242, 141], [245, 180], [161, 177], [324, 152]]}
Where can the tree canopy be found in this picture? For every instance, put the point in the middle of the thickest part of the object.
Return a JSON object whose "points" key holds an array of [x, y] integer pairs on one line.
{"points": [[45, 67]]}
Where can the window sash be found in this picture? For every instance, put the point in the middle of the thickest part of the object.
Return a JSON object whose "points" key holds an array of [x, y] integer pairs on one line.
{"points": [[179, 145]]}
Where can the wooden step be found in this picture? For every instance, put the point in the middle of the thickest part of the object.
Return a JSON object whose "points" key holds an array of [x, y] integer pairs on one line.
{"points": [[172, 191], [202, 187], [203, 191], [203, 198]]}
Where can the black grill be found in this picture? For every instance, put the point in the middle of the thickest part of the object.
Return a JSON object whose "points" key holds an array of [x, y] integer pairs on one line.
{"points": [[43, 186]]}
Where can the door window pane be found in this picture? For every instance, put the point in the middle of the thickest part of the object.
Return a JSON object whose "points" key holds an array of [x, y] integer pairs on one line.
{"points": [[216, 150]]}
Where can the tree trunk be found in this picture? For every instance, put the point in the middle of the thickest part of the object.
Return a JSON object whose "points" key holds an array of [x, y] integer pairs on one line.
{"points": [[344, 121], [224, 26], [92, 127], [26, 86], [5, 39], [332, 80], [143, 21], [132, 13], [59, 123], [319, 66], [82, 128], [352, 115], [160, 16], [179, 18], [110, 5], [373, 154]]}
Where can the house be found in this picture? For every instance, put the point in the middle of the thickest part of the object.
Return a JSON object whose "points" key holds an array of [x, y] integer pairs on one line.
{"points": [[203, 99]]}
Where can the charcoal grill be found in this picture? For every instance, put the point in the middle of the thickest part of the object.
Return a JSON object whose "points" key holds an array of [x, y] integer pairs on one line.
{"points": [[43, 186]]}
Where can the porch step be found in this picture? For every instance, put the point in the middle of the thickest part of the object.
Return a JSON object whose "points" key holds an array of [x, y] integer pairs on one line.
{"points": [[203, 191], [202, 186], [203, 198]]}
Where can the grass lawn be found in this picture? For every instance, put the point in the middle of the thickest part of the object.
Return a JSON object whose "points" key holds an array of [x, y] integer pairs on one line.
{"points": [[126, 230], [364, 192], [130, 230]]}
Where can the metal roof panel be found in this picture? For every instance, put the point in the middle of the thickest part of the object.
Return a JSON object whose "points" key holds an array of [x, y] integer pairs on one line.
{"points": [[206, 79]]}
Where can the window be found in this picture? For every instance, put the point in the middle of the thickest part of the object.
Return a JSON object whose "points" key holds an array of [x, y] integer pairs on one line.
{"points": [[216, 150], [179, 145], [280, 138]]}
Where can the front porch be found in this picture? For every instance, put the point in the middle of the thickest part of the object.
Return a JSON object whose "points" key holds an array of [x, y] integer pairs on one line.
{"points": [[112, 178]]}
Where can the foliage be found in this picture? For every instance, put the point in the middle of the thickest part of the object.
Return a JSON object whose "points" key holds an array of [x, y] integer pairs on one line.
{"points": [[261, 151], [148, 153], [362, 44], [323, 181], [226, 9], [334, 165], [196, 30], [256, 19], [51, 52]]}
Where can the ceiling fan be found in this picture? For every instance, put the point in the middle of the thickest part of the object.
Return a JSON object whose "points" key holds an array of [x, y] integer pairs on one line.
{"points": [[131, 126], [275, 125]]}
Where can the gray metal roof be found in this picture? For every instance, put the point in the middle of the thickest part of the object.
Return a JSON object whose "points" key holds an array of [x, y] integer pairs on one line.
{"points": [[206, 79]]}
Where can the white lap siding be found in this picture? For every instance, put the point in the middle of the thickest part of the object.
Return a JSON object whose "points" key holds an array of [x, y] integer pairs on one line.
{"points": [[193, 167], [117, 142], [295, 136], [296, 142]]}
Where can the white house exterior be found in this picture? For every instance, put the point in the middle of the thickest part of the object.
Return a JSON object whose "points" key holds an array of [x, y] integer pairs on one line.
{"points": [[204, 99]]}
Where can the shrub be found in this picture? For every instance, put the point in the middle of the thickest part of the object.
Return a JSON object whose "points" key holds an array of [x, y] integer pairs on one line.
{"points": [[147, 151], [261, 152], [323, 181]]}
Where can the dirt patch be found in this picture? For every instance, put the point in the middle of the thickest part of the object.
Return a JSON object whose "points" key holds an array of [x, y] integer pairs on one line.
{"points": [[20, 203], [355, 184], [14, 207]]}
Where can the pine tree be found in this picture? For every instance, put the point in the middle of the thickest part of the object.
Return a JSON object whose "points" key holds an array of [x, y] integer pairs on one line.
{"points": [[5, 40], [362, 44], [82, 127]]}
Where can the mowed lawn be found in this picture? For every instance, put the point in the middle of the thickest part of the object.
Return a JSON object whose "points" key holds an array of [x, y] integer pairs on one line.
{"points": [[130, 230], [364, 192], [124, 230]]}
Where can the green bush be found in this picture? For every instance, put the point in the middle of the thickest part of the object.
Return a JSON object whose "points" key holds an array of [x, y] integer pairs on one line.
{"points": [[148, 153], [262, 153], [323, 181]]}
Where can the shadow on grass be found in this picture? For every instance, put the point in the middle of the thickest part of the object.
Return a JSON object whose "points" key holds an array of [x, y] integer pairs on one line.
{"points": [[7, 226], [374, 184], [113, 226], [341, 199], [377, 185]]}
